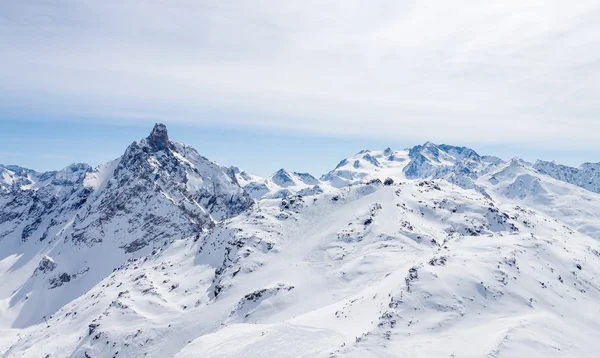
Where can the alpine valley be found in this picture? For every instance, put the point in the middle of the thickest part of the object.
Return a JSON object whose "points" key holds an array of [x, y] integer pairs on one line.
{"points": [[432, 251]]}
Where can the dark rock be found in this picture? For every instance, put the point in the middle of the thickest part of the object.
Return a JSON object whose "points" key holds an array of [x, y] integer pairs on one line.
{"points": [[92, 328], [374, 182], [134, 246], [47, 264], [60, 280], [159, 138]]}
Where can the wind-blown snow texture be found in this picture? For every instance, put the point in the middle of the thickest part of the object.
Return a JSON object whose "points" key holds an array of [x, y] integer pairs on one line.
{"points": [[434, 251]]}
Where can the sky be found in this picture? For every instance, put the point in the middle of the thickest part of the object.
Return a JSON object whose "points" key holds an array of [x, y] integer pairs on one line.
{"points": [[298, 84]]}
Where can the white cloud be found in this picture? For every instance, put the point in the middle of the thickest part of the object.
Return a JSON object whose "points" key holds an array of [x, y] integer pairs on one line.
{"points": [[489, 71]]}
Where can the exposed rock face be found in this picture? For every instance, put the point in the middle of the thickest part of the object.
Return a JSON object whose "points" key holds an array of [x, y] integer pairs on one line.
{"points": [[40, 209], [438, 160], [60, 280], [586, 176], [159, 138], [46, 265]]}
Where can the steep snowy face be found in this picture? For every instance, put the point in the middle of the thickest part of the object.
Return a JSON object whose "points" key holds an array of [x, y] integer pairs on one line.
{"points": [[159, 189], [243, 177], [586, 176]]}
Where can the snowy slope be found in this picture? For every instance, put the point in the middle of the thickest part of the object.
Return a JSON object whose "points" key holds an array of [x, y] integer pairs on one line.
{"points": [[420, 267], [577, 208]]}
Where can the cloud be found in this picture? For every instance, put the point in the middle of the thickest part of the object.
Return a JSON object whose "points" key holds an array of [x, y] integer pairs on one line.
{"points": [[475, 71]]}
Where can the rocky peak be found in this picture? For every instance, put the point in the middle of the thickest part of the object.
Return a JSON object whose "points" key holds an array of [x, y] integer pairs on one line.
{"points": [[307, 178], [282, 178], [159, 138], [369, 158]]}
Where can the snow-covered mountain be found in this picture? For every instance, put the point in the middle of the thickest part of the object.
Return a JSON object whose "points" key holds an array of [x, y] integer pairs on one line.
{"points": [[280, 184], [458, 165], [367, 165], [586, 176], [434, 251], [88, 222]]}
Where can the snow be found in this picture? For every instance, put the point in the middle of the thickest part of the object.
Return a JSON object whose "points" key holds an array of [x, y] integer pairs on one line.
{"points": [[359, 169], [98, 179], [281, 184], [467, 256]]}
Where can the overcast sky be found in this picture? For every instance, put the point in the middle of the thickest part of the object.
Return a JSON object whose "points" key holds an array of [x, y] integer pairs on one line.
{"points": [[503, 74]]}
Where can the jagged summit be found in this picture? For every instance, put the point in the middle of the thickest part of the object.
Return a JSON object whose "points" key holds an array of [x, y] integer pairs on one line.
{"points": [[159, 137], [282, 178]]}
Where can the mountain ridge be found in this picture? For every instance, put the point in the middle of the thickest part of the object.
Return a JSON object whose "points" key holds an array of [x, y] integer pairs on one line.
{"points": [[162, 252]]}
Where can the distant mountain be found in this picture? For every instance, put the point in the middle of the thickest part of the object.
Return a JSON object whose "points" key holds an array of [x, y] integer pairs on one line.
{"points": [[367, 165], [586, 176], [278, 185], [459, 165]]}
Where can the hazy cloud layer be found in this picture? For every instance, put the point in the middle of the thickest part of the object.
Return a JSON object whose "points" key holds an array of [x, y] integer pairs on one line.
{"points": [[491, 71]]}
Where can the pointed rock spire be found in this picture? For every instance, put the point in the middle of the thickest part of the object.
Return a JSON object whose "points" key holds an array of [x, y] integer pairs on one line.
{"points": [[159, 138]]}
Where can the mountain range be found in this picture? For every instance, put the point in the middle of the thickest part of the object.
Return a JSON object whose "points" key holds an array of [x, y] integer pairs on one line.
{"points": [[433, 251]]}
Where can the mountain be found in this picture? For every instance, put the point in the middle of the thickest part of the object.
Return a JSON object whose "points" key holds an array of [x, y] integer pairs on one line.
{"points": [[458, 165], [586, 176], [367, 165], [88, 222], [430, 160], [432, 251], [280, 184], [13, 177]]}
